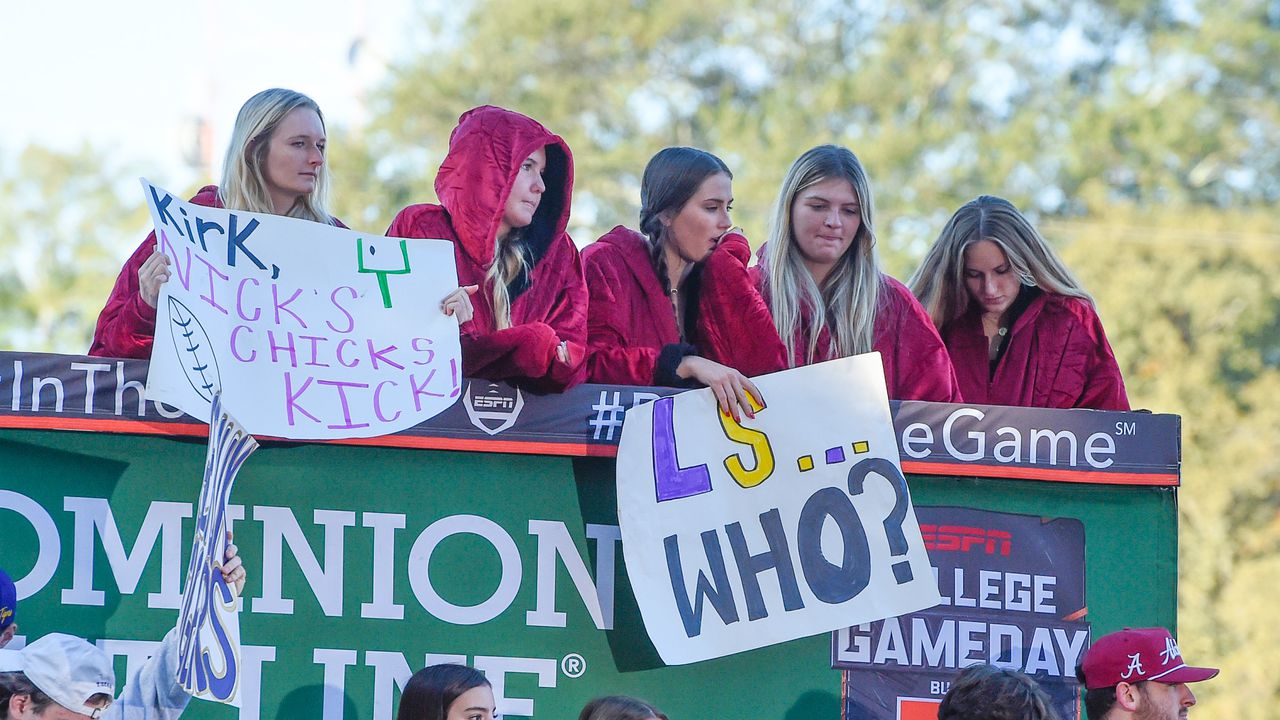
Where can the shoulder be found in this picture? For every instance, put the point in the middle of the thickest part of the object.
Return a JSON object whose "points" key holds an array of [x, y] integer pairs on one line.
{"points": [[613, 247], [1063, 314], [424, 220], [896, 297], [208, 196]]}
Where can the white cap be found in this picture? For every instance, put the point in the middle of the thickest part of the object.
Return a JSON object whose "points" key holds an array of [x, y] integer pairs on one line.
{"points": [[66, 668]]}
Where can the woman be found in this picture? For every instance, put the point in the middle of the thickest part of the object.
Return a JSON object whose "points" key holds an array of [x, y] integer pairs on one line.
{"points": [[987, 692], [641, 319], [1018, 326], [620, 707], [821, 294], [447, 692], [275, 164], [504, 190]]}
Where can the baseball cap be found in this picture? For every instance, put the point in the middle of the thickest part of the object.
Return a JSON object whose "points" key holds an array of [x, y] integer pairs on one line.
{"points": [[66, 668], [1136, 654], [8, 601]]}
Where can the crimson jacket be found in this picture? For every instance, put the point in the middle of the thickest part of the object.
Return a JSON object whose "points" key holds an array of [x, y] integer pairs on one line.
{"points": [[549, 304], [127, 325], [1057, 356], [632, 334], [737, 329]]}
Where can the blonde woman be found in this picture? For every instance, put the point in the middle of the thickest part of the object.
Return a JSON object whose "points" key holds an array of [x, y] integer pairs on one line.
{"points": [[274, 164], [1019, 328], [821, 293], [504, 188]]}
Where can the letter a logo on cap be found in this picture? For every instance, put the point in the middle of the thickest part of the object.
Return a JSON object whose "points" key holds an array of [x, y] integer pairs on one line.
{"points": [[1135, 664]]}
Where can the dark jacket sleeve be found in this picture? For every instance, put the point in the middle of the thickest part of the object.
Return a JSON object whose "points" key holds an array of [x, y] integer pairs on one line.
{"points": [[526, 353], [917, 366], [735, 327], [1103, 384], [127, 324]]}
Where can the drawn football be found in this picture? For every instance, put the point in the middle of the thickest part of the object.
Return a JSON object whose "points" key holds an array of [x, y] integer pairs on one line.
{"points": [[195, 350]]}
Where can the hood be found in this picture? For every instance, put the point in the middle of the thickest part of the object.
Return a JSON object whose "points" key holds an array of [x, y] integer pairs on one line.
{"points": [[485, 154]]}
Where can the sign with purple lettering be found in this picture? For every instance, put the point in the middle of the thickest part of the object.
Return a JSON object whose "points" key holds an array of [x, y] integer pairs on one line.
{"points": [[208, 623], [309, 331], [740, 535], [1013, 594]]}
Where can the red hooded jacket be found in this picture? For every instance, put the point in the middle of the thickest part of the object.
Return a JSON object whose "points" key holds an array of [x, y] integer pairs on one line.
{"points": [[127, 325], [549, 306], [737, 329], [630, 321], [1057, 356]]}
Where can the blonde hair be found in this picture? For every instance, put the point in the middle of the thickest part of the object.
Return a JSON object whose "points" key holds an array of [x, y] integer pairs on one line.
{"points": [[509, 263], [244, 185], [939, 281], [846, 303]]}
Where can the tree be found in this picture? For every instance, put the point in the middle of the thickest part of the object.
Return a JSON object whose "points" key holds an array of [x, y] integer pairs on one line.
{"points": [[67, 224]]}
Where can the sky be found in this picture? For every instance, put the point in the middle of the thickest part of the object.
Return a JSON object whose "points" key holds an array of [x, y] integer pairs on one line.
{"points": [[134, 78]]}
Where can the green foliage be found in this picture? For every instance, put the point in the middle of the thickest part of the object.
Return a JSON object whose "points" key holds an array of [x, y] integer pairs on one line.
{"points": [[1191, 302], [67, 223]]}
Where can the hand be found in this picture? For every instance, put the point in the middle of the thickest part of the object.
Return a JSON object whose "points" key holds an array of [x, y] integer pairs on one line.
{"points": [[233, 569], [153, 273], [734, 230], [734, 391], [458, 303], [562, 352]]}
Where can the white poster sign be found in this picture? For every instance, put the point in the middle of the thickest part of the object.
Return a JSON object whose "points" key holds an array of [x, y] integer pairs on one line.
{"points": [[739, 535], [209, 623], [309, 331]]}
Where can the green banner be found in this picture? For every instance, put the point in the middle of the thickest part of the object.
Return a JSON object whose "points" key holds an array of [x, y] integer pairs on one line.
{"points": [[366, 562]]}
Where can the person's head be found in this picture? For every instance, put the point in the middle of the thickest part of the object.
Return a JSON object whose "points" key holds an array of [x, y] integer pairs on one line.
{"points": [[620, 707], [987, 692], [58, 677], [1138, 673], [447, 692], [276, 160], [821, 252], [507, 184], [8, 609], [985, 254], [686, 195]]}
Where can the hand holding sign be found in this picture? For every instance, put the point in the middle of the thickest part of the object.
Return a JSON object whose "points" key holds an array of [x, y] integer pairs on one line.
{"points": [[742, 533]]}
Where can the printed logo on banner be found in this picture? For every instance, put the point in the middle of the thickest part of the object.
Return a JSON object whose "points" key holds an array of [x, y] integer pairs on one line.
{"points": [[743, 534], [495, 408], [1013, 595]]}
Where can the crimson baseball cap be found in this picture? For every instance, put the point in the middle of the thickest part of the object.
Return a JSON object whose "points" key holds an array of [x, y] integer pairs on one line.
{"points": [[1136, 654]]}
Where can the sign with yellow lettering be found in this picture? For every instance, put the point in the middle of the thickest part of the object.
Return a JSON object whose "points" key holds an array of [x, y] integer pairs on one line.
{"points": [[798, 521]]}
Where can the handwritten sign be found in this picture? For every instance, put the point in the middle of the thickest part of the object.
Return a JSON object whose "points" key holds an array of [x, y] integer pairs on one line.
{"points": [[798, 522], [309, 331], [208, 624]]}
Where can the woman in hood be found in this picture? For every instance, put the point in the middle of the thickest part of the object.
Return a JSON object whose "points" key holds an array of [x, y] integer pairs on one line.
{"points": [[275, 164], [642, 317], [505, 188], [819, 292], [1018, 326]]}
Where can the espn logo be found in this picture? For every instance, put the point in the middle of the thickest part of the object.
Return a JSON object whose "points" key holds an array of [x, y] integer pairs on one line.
{"points": [[960, 538]]}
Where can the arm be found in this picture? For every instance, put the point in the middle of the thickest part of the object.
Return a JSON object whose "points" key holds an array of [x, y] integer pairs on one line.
{"points": [[1103, 384], [735, 327], [127, 324], [920, 368], [530, 352], [609, 358]]}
